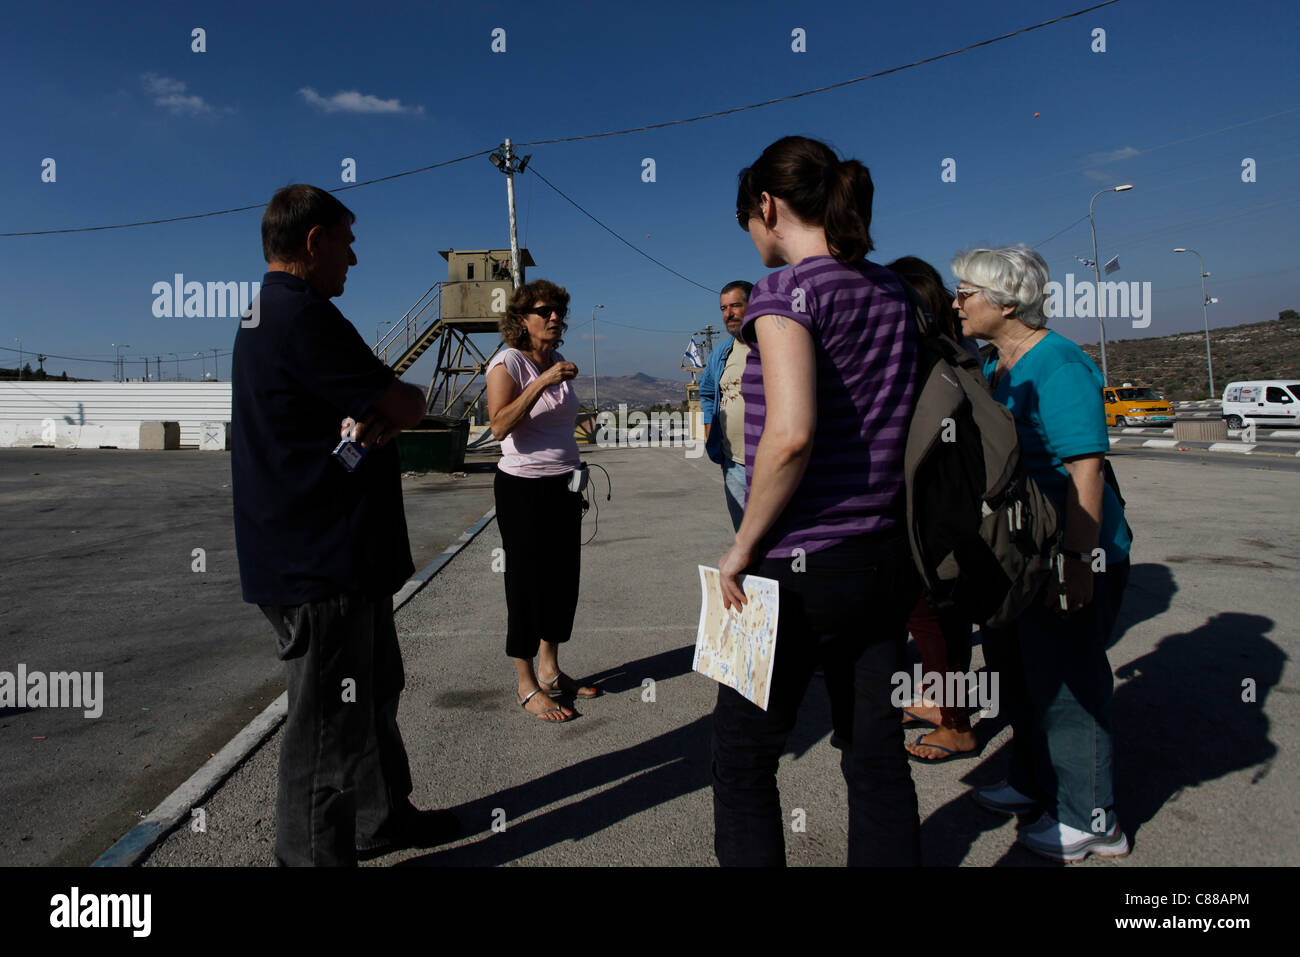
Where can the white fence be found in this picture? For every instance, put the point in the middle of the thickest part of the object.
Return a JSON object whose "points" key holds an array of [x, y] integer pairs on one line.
{"points": [[113, 404]]}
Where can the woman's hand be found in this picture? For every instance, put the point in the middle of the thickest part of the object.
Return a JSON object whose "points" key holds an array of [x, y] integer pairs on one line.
{"points": [[1078, 587], [559, 372], [730, 567]]}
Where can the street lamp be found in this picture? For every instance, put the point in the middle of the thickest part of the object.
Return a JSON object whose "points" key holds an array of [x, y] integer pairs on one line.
{"points": [[1205, 314], [204, 359], [1096, 269], [20, 357], [595, 396], [216, 368], [119, 346]]}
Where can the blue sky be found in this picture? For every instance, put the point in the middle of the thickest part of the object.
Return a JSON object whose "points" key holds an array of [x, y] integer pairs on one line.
{"points": [[142, 127]]}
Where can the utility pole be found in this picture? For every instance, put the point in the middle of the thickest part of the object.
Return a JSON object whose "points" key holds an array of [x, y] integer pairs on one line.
{"points": [[505, 160], [708, 332], [216, 372]]}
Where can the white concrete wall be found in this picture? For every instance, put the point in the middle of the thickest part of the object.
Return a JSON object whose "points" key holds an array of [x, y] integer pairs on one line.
{"points": [[110, 404]]}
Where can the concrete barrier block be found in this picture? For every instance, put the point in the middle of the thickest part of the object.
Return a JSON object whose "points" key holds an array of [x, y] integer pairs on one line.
{"points": [[214, 437], [1201, 430], [160, 435]]}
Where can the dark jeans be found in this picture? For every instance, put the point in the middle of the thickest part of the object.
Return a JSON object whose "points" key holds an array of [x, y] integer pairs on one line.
{"points": [[1056, 685], [846, 611], [344, 775], [540, 522]]}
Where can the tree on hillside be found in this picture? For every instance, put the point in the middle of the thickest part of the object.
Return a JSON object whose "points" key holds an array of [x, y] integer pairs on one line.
{"points": [[1288, 315]]}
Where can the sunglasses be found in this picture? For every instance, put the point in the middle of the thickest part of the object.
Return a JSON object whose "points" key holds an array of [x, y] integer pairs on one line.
{"points": [[964, 294], [545, 311]]}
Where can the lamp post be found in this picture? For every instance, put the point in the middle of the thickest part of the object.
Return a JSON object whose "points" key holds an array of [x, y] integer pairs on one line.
{"points": [[204, 359], [20, 357], [178, 365], [1205, 314], [595, 396], [216, 368], [119, 346], [1096, 270]]}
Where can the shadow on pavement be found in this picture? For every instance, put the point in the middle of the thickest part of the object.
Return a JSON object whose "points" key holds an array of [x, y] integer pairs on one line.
{"points": [[659, 770]]}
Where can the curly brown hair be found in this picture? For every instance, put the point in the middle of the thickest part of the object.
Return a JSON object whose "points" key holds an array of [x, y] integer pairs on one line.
{"points": [[521, 303]]}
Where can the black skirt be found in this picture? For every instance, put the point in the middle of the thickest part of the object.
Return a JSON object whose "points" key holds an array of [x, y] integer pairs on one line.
{"points": [[541, 531]]}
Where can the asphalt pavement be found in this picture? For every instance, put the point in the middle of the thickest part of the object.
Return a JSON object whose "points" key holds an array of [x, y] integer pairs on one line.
{"points": [[1205, 709]]}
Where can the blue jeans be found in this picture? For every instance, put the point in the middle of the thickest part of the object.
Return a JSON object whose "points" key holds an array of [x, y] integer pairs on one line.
{"points": [[733, 480], [344, 778], [1057, 685], [847, 612]]}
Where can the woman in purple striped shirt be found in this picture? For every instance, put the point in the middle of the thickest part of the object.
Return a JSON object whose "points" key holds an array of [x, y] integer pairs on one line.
{"points": [[829, 388]]}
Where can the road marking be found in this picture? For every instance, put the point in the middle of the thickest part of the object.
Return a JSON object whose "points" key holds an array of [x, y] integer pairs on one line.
{"points": [[1160, 443], [1231, 447]]}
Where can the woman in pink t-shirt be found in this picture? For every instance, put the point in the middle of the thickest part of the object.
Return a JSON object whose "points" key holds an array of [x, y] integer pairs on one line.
{"points": [[533, 408]]}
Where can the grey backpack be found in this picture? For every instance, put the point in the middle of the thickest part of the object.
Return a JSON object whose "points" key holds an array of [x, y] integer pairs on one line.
{"points": [[984, 537]]}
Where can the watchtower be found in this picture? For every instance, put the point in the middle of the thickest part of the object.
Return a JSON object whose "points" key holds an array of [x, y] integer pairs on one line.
{"points": [[471, 302]]}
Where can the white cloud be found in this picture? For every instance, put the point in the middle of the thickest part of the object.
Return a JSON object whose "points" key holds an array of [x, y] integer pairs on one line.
{"points": [[353, 101], [170, 95], [1123, 152]]}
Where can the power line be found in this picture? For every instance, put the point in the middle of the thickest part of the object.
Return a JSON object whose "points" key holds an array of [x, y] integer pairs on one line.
{"points": [[533, 169], [591, 136], [239, 209], [821, 89], [670, 332]]}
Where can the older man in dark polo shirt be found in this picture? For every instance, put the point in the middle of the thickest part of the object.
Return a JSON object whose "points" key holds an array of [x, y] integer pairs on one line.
{"points": [[323, 549]]}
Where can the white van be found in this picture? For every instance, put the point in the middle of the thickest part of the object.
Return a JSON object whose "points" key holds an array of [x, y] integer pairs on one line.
{"points": [[1266, 402]]}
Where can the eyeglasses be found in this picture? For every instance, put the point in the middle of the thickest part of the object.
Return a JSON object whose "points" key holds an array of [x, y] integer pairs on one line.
{"points": [[545, 311], [964, 294]]}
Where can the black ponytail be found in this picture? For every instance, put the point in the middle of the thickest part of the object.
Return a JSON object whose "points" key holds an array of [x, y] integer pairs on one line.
{"points": [[818, 187]]}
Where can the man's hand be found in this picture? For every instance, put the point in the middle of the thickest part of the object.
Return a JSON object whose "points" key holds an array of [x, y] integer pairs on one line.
{"points": [[371, 432]]}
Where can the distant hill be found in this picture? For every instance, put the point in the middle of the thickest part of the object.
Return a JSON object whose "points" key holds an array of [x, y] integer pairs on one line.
{"points": [[1175, 365], [639, 391]]}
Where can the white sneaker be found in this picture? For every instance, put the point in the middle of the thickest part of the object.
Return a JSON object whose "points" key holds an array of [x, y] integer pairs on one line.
{"points": [[1002, 798], [1061, 842]]}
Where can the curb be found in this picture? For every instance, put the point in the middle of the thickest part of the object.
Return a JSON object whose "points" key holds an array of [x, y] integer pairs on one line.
{"points": [[136, 844]]}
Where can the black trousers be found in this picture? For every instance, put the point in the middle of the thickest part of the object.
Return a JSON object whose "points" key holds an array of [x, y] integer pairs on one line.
{"points": [[344, 776], [541, 528], [848, 610]]}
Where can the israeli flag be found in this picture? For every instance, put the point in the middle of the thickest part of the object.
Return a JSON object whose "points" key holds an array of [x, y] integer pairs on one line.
{"points": [[1111, 266], [1087, 263], [691, 361]]}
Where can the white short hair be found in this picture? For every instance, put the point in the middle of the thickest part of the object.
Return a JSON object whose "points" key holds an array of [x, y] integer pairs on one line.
{"points": [[1010, 276]]}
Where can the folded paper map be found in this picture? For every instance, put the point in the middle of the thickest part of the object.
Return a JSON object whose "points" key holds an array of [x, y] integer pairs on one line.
{"points": [[738, 648]]}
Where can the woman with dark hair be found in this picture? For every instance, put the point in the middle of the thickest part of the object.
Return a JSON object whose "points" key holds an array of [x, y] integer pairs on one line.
{"points": [[532, 408], [828, 388], [943, 638]]}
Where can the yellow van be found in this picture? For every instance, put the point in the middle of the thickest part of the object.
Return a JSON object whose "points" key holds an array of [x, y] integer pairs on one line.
{"points": [[1130, 405]]}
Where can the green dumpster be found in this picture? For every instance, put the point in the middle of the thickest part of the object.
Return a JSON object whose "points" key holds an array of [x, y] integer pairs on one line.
{"points": [[437, 444]]}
